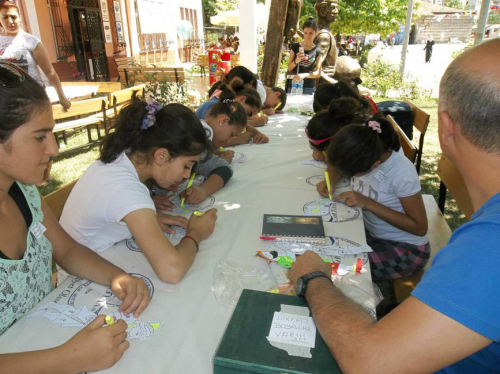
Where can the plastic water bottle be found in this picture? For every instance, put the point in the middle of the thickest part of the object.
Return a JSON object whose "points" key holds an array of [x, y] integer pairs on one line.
{"points": [[300, 87], [294, 88]]}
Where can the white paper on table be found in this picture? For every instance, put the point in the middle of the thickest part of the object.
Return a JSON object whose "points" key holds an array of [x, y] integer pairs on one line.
{"points": [[292, 329]]}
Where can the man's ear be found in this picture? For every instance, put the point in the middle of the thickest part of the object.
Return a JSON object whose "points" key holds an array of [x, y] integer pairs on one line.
{"points": [[447, 130], [161, 156]]}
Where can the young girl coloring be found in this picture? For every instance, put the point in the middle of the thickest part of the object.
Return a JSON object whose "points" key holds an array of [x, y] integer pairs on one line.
{"points": [[386, 186]]}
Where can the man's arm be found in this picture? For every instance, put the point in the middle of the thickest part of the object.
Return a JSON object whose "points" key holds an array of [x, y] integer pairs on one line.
{"points": [[413, 338]]}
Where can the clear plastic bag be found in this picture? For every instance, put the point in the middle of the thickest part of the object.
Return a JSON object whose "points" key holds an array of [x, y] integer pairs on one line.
{"points": [[359, 289], [231, 277]]}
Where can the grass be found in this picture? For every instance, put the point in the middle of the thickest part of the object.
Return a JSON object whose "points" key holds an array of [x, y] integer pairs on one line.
{"points": [[71, 167]]}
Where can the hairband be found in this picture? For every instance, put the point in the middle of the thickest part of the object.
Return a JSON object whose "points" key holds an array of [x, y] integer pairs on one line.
{"points": [[375, 126], [150, 117], [227, 101], [317, 142]]}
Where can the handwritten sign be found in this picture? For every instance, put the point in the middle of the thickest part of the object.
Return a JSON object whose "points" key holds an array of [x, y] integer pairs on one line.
{"points": [[292, 329]]}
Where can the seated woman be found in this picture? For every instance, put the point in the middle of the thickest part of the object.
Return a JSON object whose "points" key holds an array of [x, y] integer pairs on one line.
{"points": [[305, 59], [31, 237], [110, 202]]}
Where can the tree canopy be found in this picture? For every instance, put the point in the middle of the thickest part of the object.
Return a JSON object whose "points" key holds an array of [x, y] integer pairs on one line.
{"points": [[214, 7]]}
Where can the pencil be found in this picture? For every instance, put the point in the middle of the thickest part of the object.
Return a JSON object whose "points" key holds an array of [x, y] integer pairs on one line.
{"points": [[327, 178], [191, 179]]}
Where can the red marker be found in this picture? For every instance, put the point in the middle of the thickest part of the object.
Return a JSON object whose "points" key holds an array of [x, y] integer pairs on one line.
{"points": [[267, 238]]}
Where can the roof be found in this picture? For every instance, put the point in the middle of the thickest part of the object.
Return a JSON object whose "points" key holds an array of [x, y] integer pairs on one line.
{"points": [[429, 9]]}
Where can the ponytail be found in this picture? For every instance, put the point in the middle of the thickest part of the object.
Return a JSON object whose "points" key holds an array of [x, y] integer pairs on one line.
{"points": [[327, 123], [310, 23], [252, 97], [355, 148], [240, 72], [175, 128], [229, 107]]}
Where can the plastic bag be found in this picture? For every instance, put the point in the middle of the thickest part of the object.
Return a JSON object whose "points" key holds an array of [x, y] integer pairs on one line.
{"points": [[231, 277], [359, 289]]}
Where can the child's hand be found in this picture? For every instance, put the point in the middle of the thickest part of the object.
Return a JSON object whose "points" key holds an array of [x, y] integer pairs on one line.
{"points": [[260, 138], [244, 138], [268, 111], [133, 292], [194, 195], [322, 189], [166, 220], [96, 347], [354, 199], [264, 117], [202, 227], [162, 202], [227, 155]]}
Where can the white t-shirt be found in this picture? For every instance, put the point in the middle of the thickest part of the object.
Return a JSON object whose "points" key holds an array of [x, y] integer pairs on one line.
{"points": [[208, 130], [19, 50], [102, 197], [261, 89], [393, 179]]}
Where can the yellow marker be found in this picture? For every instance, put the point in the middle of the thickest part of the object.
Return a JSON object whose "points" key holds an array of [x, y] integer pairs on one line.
{"points": [[327, 178], [191, 179], [277, 105], [244, 130], [324, 154], [221, 148], [110, 321], [197, 213]]}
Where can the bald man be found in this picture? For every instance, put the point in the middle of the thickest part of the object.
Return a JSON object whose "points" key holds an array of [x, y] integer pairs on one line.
{"points": [[451, 323]]}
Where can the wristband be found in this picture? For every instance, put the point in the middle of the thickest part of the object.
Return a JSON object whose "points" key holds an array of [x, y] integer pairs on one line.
{"points": [[193, 239]]}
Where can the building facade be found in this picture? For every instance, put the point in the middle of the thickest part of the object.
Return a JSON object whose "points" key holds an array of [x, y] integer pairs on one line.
{"points": [[83, 37]]}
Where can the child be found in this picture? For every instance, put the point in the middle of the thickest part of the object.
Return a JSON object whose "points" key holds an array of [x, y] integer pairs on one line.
{"points": [[110, 202], [386, 186], [26, 145], [326, 92], [325, 124], [248, 78], [273, 99]]}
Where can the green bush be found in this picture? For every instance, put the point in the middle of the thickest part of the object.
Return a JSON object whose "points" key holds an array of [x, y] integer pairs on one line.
{"points": [[382, 77], [363, 56]]}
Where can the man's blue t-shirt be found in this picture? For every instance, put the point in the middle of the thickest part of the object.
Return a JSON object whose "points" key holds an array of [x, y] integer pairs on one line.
{"points": [[463, 283], [202, 111]]}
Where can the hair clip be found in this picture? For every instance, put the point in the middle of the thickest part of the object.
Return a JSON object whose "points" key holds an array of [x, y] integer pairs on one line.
{"points": [[375, 126], [150, 118], [227, 101]]}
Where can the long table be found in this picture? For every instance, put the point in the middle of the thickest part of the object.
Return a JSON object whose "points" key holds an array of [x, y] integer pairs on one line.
{"points": [[271, 180]]}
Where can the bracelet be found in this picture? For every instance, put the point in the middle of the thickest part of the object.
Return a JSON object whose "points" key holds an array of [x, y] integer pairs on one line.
{"points": [[194, 240]]}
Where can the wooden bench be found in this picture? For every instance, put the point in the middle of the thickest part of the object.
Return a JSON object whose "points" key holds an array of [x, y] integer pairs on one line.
{"points": [[202, 62], [104, 87], [81, 114], [128, 61], [133, 74]]}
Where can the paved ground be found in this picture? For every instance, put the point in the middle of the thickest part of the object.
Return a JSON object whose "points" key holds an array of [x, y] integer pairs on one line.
{"points": [[429, 74]]}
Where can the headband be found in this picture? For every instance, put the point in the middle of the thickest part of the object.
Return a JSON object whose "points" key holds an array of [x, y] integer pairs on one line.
{"points": [[317, 142]]}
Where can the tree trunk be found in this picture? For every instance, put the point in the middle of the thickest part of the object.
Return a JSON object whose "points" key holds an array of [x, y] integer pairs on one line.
{"points": [[274, 42]]}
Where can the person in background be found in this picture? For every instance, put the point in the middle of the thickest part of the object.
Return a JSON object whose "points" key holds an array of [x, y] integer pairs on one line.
{"points": [[27, 251], [306, 59], [451, 321], [428, 49]]}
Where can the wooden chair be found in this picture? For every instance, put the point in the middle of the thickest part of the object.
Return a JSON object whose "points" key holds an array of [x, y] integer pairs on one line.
{"points": [[420, 122], [439, 234], [134, 74], [409, 148], [119, 99], [81, 114], [56, 200], [202, 62], [104, 87], [452, 180], [129, 61]]}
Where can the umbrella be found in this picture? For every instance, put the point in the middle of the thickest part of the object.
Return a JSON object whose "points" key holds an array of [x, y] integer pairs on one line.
{"points": [[232, 17]]}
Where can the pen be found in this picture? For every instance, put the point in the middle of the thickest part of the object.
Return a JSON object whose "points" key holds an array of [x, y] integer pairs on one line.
{"points": [[110, 321], [327, 178], [191, 179]]}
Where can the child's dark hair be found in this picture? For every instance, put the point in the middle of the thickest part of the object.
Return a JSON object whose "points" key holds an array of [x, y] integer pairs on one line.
{"points": [[20, 100], [355, 148], [310, 23], [237, 72], [229, 107], [327, 92], [176, 128], [252, 97], [282, 97], [340, 113]]}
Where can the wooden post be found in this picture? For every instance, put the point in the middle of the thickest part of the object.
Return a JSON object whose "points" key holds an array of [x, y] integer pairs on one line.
{"points": [[274, 42]]}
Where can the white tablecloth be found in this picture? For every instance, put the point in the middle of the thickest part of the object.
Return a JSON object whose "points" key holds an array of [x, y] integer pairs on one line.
{"points": [[71, 92], [271, 180]]}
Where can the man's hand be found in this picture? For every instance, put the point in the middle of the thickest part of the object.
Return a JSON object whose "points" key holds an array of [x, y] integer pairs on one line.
{"points": [[308, 263], [166, 220], [133, 292]]}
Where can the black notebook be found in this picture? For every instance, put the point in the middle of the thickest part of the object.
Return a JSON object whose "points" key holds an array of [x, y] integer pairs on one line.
{"points": [[293, 228]]}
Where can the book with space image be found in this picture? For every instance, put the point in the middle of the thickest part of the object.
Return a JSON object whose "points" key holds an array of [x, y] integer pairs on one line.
{"points": [[308, 229]]}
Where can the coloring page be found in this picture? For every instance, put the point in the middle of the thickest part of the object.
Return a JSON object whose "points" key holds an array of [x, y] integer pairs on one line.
{"points": [[315, 179], [180, 232], [331, 211], [316, 164]]}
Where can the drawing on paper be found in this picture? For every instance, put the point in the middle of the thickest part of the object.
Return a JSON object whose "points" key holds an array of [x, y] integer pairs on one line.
{"points": [[316, 164], [69, 316], [331, 211], [190, 208], [315, 179], [180, 232], [238, 158]]}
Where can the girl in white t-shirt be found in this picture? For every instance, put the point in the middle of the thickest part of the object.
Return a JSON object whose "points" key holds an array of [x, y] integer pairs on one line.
{"points": [[386, 186], [110, 202]]}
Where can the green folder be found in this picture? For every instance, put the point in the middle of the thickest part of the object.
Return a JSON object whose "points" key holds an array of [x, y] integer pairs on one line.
{"points": [[244, 347]]}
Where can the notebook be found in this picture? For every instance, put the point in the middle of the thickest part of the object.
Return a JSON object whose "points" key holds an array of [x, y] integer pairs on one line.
{"points": [[306, 229]]}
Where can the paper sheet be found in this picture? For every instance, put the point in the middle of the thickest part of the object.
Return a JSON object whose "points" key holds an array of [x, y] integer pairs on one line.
{"points": [[316, 164]]}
